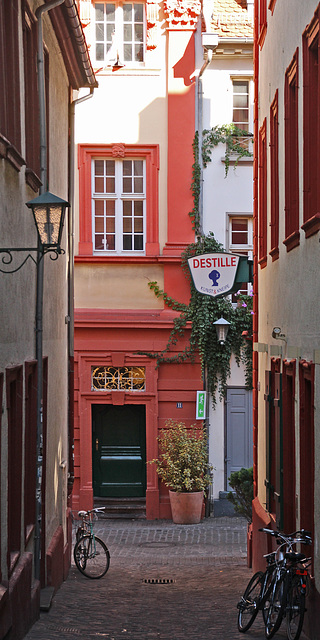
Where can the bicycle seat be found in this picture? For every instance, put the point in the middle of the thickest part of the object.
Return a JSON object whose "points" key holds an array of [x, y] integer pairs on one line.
{"points": [[294, 557], [82, 513]]}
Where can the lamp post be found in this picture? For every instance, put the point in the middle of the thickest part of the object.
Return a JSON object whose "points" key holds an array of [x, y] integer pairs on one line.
{"points": [[222, 328]]}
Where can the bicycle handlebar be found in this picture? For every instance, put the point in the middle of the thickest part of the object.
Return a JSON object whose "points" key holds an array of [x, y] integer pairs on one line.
{"points": [[291, 537], [81, 514]]}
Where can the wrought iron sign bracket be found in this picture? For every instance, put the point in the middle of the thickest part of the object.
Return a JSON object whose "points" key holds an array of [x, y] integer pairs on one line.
{"points": [[7, 258]]}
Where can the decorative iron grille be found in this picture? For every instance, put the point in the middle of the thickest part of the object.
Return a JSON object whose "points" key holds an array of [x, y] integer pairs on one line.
{"points": [[118, 378]]}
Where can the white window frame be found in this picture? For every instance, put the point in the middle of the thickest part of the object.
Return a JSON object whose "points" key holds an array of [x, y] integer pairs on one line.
{"points": [[114, 55], [238, 248], [249, 80], [119, 197]]}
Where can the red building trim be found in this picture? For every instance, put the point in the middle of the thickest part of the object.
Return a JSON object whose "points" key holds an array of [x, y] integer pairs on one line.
{"points": [[274, 177], [307, 448], [311, 128], [262, 22], [14, 395], [110, 342], [292, 233], [289, 449], [148, 152], [263, 228]]}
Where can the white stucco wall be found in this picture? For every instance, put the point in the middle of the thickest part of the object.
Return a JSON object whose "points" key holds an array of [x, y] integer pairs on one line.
{"points": [[223, 196], [288, 287]]}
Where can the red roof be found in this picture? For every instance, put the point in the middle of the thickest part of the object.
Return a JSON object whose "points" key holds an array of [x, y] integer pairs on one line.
{"points": [[230, 19]]}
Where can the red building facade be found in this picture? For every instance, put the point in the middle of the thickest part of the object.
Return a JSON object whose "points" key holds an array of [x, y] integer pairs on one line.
{"points": [[122, 399]]}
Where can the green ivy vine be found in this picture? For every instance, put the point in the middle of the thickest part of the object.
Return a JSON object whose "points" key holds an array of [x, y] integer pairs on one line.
{"points": [[232, 137], [202, 310]]}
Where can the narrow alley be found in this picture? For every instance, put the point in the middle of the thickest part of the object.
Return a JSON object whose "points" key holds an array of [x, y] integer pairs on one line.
{"points": [[165, 582]]}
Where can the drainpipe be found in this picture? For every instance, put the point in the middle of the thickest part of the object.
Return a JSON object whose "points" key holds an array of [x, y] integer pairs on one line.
{"points": [[200, 129], [70, 317], [39, 293], [211, 41]]}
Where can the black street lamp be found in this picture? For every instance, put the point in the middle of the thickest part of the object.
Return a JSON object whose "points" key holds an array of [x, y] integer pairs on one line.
{"points": [[49, 213]]}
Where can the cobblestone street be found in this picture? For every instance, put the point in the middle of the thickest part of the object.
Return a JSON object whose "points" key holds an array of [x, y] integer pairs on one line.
{"points": [[203, 570]]}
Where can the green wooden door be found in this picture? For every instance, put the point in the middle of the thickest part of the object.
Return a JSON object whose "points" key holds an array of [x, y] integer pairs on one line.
{"points": [[119, 451]]}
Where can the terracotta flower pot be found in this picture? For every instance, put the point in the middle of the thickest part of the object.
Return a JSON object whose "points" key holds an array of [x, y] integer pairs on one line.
{"points": [[186, 508]]}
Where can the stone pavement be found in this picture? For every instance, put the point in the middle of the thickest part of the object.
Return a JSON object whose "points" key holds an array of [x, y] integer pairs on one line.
{"points": [[165, 582]]}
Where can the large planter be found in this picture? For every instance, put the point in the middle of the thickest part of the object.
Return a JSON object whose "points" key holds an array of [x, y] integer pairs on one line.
{"points": [[186, 508]]}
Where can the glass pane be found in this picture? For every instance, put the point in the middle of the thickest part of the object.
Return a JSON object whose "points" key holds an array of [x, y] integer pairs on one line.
{"points": [[110, 185], [127, 243], [110, 32], [99, 167], [138, 185], [138, 53], [138, 12], [110, 225], [99, 11], [138, 168], [127, 12], [110, 167], [127, 32], [127, 167], [110, 12], [138, 225], [240, 101], [99, 52], [138, 32], [127, 208], [99, 32], [110, 245], [240, 115], [99, 242], [138, 208], [110, 207], [127, 225], [138, 243], [99, 225], [99, 185], [241, 86], [127, 185], [99, 207], [239, 225], [127, 52]]}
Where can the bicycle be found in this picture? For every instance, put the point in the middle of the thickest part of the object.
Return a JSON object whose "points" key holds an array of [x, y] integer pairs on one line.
{"points": [[91, 555], [270, 591], [288, 597], [256, 594]]}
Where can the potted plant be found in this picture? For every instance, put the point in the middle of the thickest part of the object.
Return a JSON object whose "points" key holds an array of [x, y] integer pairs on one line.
{"points": [[183, 467]]}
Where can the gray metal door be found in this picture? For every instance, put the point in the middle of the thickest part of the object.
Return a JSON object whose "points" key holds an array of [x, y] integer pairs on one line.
{"points": [[239, 436]]}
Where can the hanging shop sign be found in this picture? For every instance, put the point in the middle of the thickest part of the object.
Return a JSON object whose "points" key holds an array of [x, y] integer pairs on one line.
{"points": [[217, 274]]}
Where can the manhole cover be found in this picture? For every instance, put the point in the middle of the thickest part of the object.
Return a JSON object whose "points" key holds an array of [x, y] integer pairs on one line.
{"points": [[158, 581]]}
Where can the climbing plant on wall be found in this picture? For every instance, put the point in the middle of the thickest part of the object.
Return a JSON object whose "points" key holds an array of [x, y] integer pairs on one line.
{"points": [[203, 310]]}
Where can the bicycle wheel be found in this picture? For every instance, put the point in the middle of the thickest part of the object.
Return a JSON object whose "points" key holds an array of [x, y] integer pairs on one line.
{"points": [[275, 611], [249, 604], [295, 609], [92, 557], [265, 600]]}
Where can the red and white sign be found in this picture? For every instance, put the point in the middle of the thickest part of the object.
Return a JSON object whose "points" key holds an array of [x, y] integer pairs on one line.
{"points": [[214, 273]]}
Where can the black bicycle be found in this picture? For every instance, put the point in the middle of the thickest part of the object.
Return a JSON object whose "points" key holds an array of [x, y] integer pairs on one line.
{"points": [[90, 553], [257, 594], [280, 591]]}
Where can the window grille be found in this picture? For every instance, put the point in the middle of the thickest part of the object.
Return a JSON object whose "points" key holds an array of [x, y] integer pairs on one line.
{"points": [[118, 379]]}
